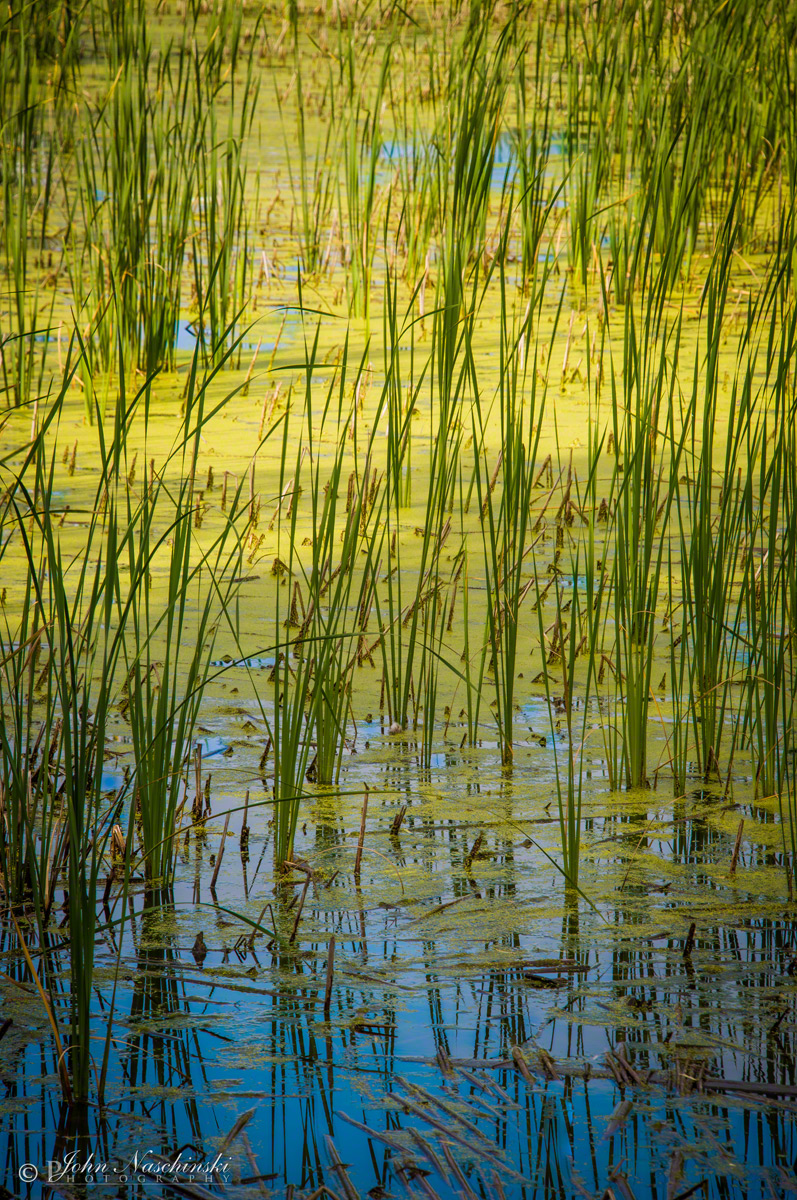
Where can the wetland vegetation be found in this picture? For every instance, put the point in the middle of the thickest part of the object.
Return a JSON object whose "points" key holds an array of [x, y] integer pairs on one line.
{"points": [[398, 577]]}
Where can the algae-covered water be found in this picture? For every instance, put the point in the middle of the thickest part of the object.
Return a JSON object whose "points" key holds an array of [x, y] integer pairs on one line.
{"points": [[397, 584]]}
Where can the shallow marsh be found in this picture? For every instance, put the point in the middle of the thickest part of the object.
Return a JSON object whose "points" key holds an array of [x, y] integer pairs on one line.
{"points": [[398, 549]]}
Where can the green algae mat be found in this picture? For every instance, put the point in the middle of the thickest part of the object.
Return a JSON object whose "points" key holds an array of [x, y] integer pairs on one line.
{"points": [[398, 578]]}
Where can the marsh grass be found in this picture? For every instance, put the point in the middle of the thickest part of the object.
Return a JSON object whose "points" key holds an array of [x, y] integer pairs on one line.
{"points": [[339, 593], [33, 835], [713, 538], [159, 184], [321, 624], [630, 175], [397, 611], [537, 193], [316, 196], [574, 652], [506, 513], [362, 146], [75, 599], [87, 639], [168, 648], [27, 170], [220, 248], [648, 434]]}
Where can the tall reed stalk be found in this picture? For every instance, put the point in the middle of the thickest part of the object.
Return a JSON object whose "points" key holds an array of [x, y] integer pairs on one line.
{"points": [[649, 447], [505, 506], [168, 648]]}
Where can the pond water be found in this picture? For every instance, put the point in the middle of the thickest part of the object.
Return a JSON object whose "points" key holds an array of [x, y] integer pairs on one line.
{"points": [[489, 483], [483, 1034]]}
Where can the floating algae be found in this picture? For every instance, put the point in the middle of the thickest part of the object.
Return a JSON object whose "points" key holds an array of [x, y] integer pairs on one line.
{"points": [[398, 559]]}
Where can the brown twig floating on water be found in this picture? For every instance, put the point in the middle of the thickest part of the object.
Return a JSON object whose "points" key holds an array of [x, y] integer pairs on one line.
{"points": [[330, 969]]}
